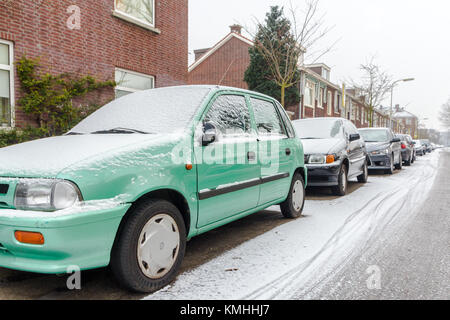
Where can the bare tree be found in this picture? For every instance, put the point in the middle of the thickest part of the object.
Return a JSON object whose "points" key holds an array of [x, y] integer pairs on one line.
{"points": [[375, 84], [284, 50], [444, 115]]}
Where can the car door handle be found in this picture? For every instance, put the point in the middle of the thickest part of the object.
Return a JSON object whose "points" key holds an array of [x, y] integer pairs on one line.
{"points": [[288, 152], [251, 156]]}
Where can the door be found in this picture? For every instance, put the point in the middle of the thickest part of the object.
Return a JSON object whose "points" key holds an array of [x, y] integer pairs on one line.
{"points": [[355, 150], [274, 150], [228, 170]]}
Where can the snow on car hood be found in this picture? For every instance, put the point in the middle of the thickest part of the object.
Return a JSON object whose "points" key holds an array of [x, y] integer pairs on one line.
{"points": [[322, 146], [372, 146], [47, 157]]}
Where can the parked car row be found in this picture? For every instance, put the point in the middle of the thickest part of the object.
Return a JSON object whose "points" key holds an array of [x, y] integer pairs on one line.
{"points": [[133, 182]]}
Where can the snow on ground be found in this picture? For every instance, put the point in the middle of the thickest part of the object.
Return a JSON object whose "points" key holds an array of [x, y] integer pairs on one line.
{"points": [[302, 253]]}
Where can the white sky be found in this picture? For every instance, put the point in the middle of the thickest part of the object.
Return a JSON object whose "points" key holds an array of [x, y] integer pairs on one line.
{"points": [[410, 38]]}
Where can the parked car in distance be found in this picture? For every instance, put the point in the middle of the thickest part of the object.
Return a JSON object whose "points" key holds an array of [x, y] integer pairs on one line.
{"points": [[334, 152], [419, 148], [427, 145], [408, 152], [130, 184], [384, 149]]}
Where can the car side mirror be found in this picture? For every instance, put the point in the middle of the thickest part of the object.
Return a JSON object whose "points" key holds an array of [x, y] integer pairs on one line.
{"points": [[354, 137], [209, 134], [414, 143], [396, 140]]}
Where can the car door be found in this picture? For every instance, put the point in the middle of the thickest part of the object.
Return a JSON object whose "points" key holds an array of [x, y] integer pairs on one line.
{"points": [[228, 170], [274, 151], [396, 148], [356, 153]]}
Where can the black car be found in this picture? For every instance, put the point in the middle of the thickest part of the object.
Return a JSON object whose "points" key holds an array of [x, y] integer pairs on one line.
{"points": [[384, 149], [408, 151], [334, 153]]}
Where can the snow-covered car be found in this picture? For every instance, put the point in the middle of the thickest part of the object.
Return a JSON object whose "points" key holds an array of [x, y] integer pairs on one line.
{"points": [[408, 151], [419, 148], [130, 184], [384, 149], [334, 152]]}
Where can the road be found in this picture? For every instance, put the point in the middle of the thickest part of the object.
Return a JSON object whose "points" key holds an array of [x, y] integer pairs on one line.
{"points": [[396, 225]]}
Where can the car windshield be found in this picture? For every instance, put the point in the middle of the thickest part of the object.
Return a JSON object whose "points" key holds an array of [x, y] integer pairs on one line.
{"points": [[155, 111], [318, 129], [375, 135]]}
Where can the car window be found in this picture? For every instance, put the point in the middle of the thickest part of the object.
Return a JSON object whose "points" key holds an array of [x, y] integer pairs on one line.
{"points": [[350, 128], [312, 129], [230, 115], [267, 119], [376, 135], [287, 121]]}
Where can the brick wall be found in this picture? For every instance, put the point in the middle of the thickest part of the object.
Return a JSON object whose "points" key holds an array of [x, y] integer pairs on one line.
{"points": [[39, 29], [226, 66]]}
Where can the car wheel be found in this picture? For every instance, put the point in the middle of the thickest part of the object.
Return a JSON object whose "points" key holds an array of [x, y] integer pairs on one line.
{"points": [[365, 176], [341, 188], [150, 247], [292, 207], [410, 161], [399, 166], [391, 169]]}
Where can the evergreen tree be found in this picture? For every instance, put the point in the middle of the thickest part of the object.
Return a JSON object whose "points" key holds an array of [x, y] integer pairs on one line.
{"points": [[275, 35]]}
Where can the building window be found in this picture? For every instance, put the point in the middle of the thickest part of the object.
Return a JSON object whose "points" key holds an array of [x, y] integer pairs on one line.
{"points": [[337, 102], [129, 82], [6, 84], [330, 103], [309, 94], [142, 11], [320, 98]]}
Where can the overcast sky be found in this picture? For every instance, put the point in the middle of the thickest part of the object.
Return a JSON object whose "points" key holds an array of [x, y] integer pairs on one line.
{"points": [[410, 38]]}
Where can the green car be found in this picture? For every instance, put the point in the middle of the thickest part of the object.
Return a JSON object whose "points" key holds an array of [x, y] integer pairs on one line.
{"points": [[130, 184]]}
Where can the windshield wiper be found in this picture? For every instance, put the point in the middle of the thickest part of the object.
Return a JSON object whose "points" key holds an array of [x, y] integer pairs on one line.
{"points": [[309, 138], [74, 134], [120, 131]]}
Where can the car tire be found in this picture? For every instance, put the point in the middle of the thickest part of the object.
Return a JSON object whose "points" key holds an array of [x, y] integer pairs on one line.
{"points": [[363, 178], [341, 188], [292, 207], [410, 161], [130, 259], [391, 169], [399, 166]]}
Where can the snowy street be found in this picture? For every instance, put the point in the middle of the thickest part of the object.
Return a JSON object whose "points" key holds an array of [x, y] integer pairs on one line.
{"points": [[386, 239]]}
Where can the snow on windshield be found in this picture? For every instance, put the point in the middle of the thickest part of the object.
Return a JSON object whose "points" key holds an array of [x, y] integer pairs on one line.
{"points": [[162, 110], [375, 135], [318, 129]]}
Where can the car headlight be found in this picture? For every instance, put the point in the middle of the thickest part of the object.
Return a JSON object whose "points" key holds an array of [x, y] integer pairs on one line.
{"points": [[46, 195], [379, 152], [322, 159]]}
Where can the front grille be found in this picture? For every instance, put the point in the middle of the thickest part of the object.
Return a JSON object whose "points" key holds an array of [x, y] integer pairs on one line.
{"points": [[4, 188]]}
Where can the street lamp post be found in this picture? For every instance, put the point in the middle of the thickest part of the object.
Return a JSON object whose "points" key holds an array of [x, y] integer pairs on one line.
{"points": [[392, 97]]}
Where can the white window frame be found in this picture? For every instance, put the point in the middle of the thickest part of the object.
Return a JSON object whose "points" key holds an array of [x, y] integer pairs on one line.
{"points": [[320, 99], [127, 17], [10, 68], [310, 85], [132, 90], [329, 102]]}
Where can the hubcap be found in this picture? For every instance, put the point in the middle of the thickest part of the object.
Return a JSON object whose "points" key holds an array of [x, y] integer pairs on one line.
{"points": [[297, 196], [158, 247]]}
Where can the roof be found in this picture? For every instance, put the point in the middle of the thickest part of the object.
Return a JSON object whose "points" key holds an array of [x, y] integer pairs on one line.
{"points": [[319, 77], [230, 36], [404, 114]]}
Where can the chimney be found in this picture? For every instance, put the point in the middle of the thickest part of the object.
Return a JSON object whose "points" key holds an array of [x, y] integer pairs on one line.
{"points": [[397, 108], [236, 28]]}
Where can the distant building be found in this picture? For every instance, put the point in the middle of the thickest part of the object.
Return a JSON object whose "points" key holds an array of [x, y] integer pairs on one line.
{"points": [[407, 122], [223, 64]]}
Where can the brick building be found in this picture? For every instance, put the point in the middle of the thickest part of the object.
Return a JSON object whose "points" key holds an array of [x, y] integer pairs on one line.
{"points": [[407, 122], [223, 64], [141, 44]]}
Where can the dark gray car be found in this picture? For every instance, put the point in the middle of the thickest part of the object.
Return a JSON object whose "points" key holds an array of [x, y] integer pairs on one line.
{"points": [[408, 151], [384, 149], [334, 152]]}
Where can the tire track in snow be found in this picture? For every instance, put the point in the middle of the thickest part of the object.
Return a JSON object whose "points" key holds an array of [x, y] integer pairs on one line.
{"points": [[372, 217]]}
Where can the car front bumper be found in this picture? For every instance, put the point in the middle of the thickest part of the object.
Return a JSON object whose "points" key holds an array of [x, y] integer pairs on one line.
{"points": [[379, 162], [323, 175], [83, 239]]}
